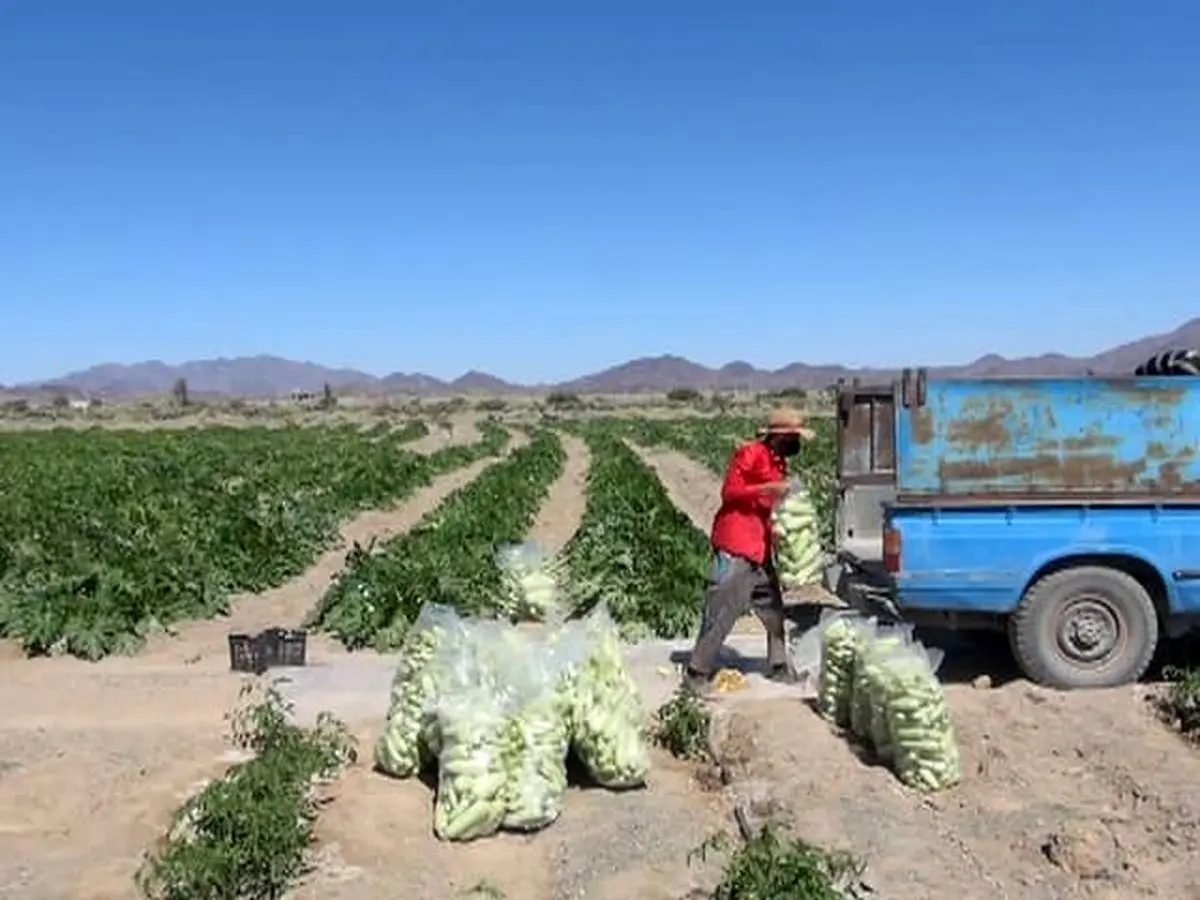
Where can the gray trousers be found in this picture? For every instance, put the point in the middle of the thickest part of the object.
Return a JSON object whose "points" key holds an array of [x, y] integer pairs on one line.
{"points": [[735, 586]]}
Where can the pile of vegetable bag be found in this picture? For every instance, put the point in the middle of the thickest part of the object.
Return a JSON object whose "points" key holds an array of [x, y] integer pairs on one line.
{"points": [[532, 584], [881, 685], [796, 543], [498, 708]]}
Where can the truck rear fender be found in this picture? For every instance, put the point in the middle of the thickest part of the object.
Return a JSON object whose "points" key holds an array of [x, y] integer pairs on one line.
{"points": [[1148, 573]]}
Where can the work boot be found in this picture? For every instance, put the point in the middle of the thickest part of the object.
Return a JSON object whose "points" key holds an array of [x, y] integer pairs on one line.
{"points": [[696, 683]]}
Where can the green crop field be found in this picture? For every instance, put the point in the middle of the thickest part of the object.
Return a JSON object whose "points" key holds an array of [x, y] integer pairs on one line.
{"points": [[108, 536]]}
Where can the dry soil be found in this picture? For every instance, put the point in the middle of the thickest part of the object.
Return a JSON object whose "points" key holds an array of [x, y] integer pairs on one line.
{"points": [[1066, 795]]}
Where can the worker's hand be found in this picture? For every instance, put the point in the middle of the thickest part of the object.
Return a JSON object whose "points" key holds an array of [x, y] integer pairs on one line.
{"points": [[775, 488]]}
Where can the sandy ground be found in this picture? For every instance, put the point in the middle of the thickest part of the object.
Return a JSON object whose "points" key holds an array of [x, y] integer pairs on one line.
{"points": [[456, 430], [563, 510], [1066, 795]]}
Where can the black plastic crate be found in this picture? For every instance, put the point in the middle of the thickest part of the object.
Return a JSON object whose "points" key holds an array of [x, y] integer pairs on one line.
{"points": [[289, 646], [246, 654], [284, 646]]}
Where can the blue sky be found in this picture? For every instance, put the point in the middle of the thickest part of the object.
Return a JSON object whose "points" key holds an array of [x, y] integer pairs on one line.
{"points": [[541, 189]]}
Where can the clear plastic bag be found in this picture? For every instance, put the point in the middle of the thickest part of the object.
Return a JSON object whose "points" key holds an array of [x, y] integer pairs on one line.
{"points": [[607, 719], [532, 583], [403, 748], [890, 649], [925, 753], [473, 783], [796, 540], [843, 638]]}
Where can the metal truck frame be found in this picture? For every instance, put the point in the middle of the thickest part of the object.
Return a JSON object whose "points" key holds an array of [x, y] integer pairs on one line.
{"points": [[1065, 512]]}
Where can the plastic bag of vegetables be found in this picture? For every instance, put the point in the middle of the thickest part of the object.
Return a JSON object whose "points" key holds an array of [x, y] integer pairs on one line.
{"points": [[537, 737], [531, 583], [796, 542], [862, 700], [473, 782], [607, 720], [880, 661], [404, 747], [843, 639], [925, 753]]}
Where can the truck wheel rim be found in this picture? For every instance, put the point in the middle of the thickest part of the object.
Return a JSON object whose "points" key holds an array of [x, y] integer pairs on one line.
{"points": [[1089, 631]]}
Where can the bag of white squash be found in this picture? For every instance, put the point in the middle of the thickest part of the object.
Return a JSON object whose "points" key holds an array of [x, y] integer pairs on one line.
{"points": [[473, 781], [403, 748], [537, 733], [796, 542], [924, 750], [532, 583], [607, 719], [843, 638], [868, 656], [889, 648]]}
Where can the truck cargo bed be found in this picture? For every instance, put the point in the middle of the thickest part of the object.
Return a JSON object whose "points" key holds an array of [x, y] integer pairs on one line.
{"points": [[1075, 439]]}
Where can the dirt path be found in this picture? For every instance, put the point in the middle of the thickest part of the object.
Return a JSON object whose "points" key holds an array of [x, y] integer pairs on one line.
{"points": [[1065, 795], [95, 757], [562, 512], [692, 488], [457, 430], [607, 846]]}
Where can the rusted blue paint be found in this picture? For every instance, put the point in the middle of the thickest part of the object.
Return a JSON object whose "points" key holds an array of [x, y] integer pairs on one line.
{"points": [[1071, 437]]}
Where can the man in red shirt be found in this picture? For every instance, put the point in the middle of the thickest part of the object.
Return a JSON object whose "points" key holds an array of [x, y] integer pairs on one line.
{"points": [[743, 575]]}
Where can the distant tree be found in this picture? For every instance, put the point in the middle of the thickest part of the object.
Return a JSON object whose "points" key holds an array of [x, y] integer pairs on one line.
{"points": [[561, 399], [683, 395], [180, 392], [328, 401], [60, 401]]}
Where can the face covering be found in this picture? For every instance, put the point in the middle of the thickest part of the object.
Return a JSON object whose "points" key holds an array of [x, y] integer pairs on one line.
{"points": [[788, 446]]}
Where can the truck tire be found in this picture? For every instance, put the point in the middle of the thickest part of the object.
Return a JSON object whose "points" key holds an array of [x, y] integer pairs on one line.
{"points": [[1173, 362], [1084, 627]]}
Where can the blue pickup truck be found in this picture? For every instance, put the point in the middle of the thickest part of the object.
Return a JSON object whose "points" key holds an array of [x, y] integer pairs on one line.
{"points": [[1065, 512]]}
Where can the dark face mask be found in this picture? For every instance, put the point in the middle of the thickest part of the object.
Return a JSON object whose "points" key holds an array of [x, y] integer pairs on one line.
{"points": [[787, 446]]}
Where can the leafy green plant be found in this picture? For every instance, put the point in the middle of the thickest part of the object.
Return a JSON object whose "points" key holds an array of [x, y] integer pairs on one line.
{"points": [[449, 557], [108, 536], [682, 726], [768, 866], [1181, 703], [634, 550], [246, 835]]}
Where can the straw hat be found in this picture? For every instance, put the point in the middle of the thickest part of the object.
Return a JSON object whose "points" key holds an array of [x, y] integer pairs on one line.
{"points": [[788, 422]]}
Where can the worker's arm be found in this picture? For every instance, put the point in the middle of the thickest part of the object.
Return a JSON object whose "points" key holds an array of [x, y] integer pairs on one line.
{"points": [[747, 482]]}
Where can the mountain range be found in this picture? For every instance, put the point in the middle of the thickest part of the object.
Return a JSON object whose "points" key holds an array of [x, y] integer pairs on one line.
{"points": [[265, 376]]}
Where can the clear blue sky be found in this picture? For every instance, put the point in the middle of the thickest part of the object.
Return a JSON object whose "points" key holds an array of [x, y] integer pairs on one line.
{"points": [[541, 189]]}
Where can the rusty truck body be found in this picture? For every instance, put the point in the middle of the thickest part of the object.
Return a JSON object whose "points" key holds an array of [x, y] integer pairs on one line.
{"points": [[1065, 511]]}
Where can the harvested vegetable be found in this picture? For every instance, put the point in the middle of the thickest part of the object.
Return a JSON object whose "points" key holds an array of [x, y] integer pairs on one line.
{"points": [[880, 684], [841, 642], [925, 752], [536, 762], [606, 708], [404, 747], [531, 588], [797, 543], [473, 783]]}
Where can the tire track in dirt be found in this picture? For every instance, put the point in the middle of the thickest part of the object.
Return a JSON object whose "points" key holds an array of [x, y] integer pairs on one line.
{"points": [[563, 509], [1081, 794]]}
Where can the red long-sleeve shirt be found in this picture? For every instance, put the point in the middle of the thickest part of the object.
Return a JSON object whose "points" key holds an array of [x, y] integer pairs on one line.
{"points": [[742, 525]]}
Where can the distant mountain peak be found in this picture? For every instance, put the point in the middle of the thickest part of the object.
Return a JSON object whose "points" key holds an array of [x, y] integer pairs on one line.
{"points": [[267, 375]]}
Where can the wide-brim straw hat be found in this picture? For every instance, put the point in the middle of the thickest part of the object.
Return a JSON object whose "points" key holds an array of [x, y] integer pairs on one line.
{"points": [[788, 422]]}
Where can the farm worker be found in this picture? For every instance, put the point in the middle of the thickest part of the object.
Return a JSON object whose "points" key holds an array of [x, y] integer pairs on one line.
{"points": [[743, 575]]}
